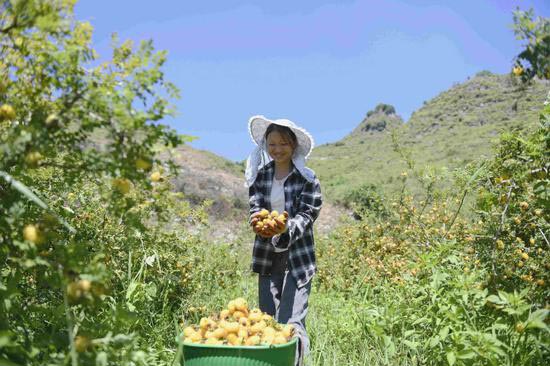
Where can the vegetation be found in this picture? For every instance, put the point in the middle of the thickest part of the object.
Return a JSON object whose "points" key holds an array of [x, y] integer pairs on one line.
{"points": [[103, 262], [454, 128]]}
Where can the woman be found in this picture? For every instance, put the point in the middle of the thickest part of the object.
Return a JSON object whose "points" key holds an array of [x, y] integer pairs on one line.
{"points": [[284, 255]]}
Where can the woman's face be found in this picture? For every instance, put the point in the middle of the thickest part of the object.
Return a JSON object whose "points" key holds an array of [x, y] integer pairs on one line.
{"points": [[279, 147]]}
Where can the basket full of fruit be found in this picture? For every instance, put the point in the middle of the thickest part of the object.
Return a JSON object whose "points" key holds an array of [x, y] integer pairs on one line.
{"points": [[238, 336]]}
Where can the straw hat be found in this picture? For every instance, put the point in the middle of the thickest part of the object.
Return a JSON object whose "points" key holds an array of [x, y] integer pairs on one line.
{"points": [[257, 125]]}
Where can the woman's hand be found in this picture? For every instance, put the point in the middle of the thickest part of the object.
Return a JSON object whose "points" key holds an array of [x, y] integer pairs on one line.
{"points": [[266, 226]]}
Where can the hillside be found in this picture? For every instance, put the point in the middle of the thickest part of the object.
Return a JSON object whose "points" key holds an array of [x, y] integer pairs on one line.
{"points": [[450, 130], [207, 176]]}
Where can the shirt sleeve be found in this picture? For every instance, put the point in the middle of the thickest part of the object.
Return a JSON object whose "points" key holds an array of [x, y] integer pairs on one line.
{"points": [[255, 198], [311, 201]]}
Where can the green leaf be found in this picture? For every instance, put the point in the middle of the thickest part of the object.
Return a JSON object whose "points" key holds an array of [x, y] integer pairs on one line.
{"points": [[536, 320], [434, 341], [5, 362], [451, 358], [412, 345], [26, 191], [465, 355], [444, 332]]}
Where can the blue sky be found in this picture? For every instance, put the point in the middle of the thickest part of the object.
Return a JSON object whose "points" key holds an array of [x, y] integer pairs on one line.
{"points": [[323, 64]]}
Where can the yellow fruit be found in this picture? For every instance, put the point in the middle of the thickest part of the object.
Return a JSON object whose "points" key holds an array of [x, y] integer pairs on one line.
{"points": [[143, 164], [156, 176], [525, 256], [224, 314], [274, 213], [82, 344], [52, 120], [264, 213], [532, 241], [288, 330], [32, 158], [538, 212], [232, 327], [236, 340], [238, 314], [524, 205], [267, 339], [204, 323], [241, 304], [253, 340], [219, 333], [269, 331], [7, 113], [84, 285], [500, 244], [33, 234], [258, 327], [243, 333], [267, 318], [517, 70], [255, 317], [279, 339], [231, 306], [244, 321], [540, 282], [122, 185], [520, 327], [232, 338], [195, 337], [520, 264], [212, 341], [188, 331]]}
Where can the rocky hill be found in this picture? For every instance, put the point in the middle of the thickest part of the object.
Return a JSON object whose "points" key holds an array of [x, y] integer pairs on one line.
{"points": [[450, 130]]}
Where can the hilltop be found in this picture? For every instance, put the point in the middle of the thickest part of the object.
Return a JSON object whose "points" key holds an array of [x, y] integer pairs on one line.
{"points": [[450, 130]]}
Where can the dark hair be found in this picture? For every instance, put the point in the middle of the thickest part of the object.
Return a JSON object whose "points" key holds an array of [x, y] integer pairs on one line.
{"points": [[283, 130]]}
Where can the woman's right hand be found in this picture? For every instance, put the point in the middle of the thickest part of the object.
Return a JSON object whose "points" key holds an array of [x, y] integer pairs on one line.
{"points": [[265, 231]]}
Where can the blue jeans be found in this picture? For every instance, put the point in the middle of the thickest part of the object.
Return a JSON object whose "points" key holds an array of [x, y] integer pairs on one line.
{"points": [[281, 298]]}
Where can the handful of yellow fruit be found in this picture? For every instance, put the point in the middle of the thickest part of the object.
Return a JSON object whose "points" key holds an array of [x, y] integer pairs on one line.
{"points": [[239, 326], [268, 222]]}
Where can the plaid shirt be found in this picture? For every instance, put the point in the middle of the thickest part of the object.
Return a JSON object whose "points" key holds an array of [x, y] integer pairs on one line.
{"points": [[302, 202]]}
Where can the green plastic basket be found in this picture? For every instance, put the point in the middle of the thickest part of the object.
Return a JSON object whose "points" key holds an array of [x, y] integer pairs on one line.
{"points": [[195, 354]]}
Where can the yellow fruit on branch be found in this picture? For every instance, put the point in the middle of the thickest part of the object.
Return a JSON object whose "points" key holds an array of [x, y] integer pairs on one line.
{"points": [[82, 344], [7, 113], [33, 234], [122, 185], [52, 120], [156, 177], [33, 158], [143, 164], [517, 70]]}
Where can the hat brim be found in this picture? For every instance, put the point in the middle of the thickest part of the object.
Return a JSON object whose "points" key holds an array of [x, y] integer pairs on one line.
{"points": [[257, 125]]}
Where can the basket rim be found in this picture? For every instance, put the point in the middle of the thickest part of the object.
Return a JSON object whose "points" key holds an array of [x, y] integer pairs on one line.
{"points": [[226, 346]]}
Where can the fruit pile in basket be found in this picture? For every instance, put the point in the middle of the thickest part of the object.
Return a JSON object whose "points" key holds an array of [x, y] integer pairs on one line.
{"points": [[239, 326], [269, 221]]}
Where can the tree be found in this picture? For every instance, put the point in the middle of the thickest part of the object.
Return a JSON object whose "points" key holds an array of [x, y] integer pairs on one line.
{"points": [[73, 133], [534, 60]]}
